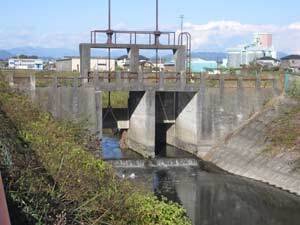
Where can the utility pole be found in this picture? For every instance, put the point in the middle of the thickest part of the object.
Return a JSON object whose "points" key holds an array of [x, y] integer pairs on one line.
{"points": [[181, 17]]}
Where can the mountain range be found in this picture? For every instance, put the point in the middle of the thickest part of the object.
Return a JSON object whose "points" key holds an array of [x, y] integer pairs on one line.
{"points": [[54, 53]]}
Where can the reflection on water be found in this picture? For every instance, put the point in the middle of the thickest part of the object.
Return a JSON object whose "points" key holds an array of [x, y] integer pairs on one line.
{"points": [[213, 199]]}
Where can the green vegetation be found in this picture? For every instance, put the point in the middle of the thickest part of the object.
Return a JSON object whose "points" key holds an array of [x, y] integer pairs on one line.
{"points": [[284, 134], [294, 89], [54, 179], [118, 99]]}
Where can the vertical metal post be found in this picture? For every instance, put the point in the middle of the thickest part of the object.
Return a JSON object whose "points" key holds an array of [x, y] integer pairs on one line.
{"points": [[156, 41], [156, 15], [109, 33], [181, 25], [109, 14]]}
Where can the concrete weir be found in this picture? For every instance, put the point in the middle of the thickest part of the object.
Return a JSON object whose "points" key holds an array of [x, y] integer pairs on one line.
{"points": [[190, 115], [193, 121]]}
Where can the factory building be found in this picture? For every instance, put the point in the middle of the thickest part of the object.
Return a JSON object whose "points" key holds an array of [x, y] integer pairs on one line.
{"points": [[201, 65], [262, 46], [73, 64], [25, 64]]}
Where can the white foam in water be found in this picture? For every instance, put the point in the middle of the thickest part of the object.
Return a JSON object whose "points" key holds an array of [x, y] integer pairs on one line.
{"points": [[139, 163]]}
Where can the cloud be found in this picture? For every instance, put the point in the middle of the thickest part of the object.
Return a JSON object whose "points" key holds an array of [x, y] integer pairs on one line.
{"points": [[294, 26], [220, 35], [211, 36], [19, 37]]}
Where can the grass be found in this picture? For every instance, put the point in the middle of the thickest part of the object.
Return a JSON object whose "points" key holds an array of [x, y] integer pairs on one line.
{"points": [[119, 99], [284, 136], [284, 132], [66, 181]]}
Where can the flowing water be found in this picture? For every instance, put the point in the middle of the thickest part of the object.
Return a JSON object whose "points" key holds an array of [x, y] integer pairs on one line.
{"points": [[210, 196]]}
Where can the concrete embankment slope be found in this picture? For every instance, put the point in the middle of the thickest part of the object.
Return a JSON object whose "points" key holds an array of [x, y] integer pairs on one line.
{"points": [[245, 152]]}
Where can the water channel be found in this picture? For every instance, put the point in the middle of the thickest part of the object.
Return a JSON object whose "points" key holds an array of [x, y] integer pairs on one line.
{"points": [[210, 195]]}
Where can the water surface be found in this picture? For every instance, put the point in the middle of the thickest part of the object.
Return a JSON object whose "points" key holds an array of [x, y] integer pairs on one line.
{"points": [[217, 198]]}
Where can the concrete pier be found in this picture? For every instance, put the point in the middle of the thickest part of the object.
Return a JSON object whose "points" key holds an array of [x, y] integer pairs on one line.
{"points": [[141, 133]]}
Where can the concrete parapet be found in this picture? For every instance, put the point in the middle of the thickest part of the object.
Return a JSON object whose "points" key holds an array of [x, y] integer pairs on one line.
{"points": [[11, 80], [133, 55], [32, 82]]}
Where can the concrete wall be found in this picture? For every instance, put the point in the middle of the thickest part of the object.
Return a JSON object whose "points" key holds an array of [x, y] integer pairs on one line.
{"points": [[71, 103], [210, 114], [243, 152]]}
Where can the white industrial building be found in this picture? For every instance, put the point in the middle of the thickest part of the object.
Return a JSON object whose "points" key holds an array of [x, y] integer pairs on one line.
{"points": [[73, 64], [244, 55], [26, 64]]}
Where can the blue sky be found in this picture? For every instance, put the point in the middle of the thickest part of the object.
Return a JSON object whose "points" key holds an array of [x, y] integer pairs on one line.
{"points": [[215, 24]]}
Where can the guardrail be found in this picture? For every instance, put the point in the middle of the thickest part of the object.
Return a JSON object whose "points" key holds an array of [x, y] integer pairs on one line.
{"points": [[140, 81]]}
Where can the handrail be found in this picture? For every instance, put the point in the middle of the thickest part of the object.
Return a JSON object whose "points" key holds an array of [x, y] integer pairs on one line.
{"points": [[135, 76], [4, 215], [171, 36]]}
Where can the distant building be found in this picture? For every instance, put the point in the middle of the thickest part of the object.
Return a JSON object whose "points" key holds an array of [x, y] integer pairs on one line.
{"points": [[26, 64], [224, 63], [246, 54], [73, 64], [201, 65], [268, 62], [291, 62], [123, 62], [169, 66]]}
